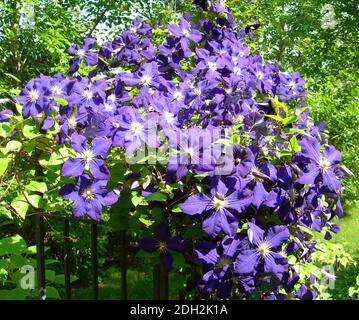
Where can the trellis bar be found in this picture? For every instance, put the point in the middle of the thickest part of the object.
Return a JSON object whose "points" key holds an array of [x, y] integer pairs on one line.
{"points": [[123, 265], [94, 254], [40, 256], [67, 259]]}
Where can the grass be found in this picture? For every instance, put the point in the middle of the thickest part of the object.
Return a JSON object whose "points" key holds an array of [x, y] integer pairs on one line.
{"points": [[349, 237], [139, 286]]}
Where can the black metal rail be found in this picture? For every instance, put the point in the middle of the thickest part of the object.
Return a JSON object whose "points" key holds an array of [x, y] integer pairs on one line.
{"points": [[160, 274]]}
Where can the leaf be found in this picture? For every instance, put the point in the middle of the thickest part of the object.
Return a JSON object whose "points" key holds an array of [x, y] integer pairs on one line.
{"points": [[13, 77], [60, 278], [177, 209], [20, 205], [31, 250], [178, 260], [290, 120], [34, 200], [157, 196], [31, 131], [61, 101], [12, 245], [193, 232], [50, 275], [274, 117], [145, 254], [146, 222], [52, 293], [36, 186], [13, 145], [136, 199], [293, 144], [4, 162], [5, 129]]}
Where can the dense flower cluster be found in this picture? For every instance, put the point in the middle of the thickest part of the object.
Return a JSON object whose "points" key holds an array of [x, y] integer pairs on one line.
{"points": [[280, 174]]}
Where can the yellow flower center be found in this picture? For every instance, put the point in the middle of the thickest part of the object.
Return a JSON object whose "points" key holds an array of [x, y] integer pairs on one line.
{"points": [[169, 116], [236, 71], [162, 246], [178, 95], [219, 203], [136, 127], [33, 95], [292, 84], [88, 95], [212, 66], [185, 33], [56, 90], [88, 194], [80, 53], [72, 122], [146, 80], [259, 75], [112, 97], [197, 91], [108, 107], [324, 164], [223, 262], [263, 249], [87, 155]]}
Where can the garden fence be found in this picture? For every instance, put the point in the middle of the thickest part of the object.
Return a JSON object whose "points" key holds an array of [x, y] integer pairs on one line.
{"points": [[160, 274]]}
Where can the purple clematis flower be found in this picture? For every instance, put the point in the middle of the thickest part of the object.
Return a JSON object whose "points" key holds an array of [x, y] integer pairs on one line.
{"points": [[87, 157], [219, 208], [320, 166], [184, 33], [83, 53], [34, 98], [89, 197], [4, 115], [163, 242], [265, 256]]}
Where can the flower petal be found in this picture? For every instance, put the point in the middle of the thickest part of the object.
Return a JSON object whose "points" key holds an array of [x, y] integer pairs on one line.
{"points": [[247, 261], [73, 167], [196, 204]]}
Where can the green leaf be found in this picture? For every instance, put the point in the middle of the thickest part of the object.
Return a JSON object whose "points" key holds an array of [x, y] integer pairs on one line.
{"points": [[20, 205], [274, 117], [31, 131], [146, 222], [157, 196], [12, 245], [34, 200], [177, 209], [293, 144], [178, 260], [31, 250], [4, 162], [61, 101], [36, 186], [136, 199], [5, 129], [50, 275], [13, 146], [290, 119], [52, 293], [193, 232], [144, 254], [60, 279], [12, 76]]}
